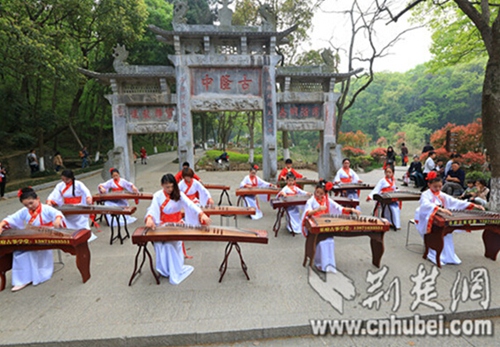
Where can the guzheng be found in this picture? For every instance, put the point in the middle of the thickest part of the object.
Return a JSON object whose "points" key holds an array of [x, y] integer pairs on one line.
{"points": [[297, 200], [257, 191], [216, 186], [178, 232], [469, 220], [347, 223], [299, 182], [121, 196], [352, 186], [228, 210], [388, 198], [325, 226], [41, 238], [183, 232], [98, 209]]}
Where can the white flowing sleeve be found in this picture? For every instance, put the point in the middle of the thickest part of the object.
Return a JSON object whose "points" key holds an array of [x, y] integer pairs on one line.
{"points": [[191, 210], [55, 196], [18, 219], [203, 192], [83, 191], [377, 189], [154, 209]]}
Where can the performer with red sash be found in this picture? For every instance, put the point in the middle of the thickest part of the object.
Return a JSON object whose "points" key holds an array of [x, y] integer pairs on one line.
{"points": [[117, 184], [294, 212], [178, 176], [254, 181], [72, 192], [388, 185], [432, 201], [166, 207], [317, 205], [194, 190], [288, 169], [347, 175], [31, 266]]}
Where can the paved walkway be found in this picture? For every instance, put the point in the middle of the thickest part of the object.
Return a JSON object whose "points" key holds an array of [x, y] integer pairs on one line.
{"points": [[278, 301]]}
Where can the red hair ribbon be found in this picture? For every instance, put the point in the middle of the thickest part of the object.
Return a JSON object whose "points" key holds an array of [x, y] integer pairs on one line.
{"points": [[328, 186], [19, 193], [255, 167], [111, 170], [431, 175]]}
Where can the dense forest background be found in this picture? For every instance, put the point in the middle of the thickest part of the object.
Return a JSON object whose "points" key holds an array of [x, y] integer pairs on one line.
{"points": [[47, 104]]}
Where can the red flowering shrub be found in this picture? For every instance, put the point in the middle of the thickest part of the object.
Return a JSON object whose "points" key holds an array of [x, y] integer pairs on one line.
{"points": [[378, 154], [466, 137], [349, 151], [473, 161], [357, 139]]}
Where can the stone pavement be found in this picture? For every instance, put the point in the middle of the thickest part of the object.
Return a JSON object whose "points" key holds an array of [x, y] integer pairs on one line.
{"points": [[278, 300]]}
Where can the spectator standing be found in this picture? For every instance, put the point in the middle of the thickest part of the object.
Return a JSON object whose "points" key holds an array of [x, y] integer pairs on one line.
{"points": [[390, 159], [429, 166], [404, 154], [84, 154], [3, 180], [144, 156], [33, 161], [427, 148], [454, 181], [58, 161]]}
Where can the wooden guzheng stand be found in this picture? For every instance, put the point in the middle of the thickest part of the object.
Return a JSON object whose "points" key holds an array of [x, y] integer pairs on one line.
{"points": [[41, 238], [283, 202], [114, 211], [464, 220], [222, 187], [182, 232], [325, 226], [385, 199], [242, 192]]}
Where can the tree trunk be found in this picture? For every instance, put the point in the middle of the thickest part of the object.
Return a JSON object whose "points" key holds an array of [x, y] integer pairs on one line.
{"points": [[491, 122]]}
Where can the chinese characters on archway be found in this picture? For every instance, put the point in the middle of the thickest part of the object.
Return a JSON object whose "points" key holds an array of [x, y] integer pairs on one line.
{"points": [[300, 111], [151, 114], [226, 81]]}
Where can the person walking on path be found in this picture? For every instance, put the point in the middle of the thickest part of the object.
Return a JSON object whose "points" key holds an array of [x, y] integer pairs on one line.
{"points": [[58, 161], [404, 154], [33, 161], [144, 156], [84, 154]]}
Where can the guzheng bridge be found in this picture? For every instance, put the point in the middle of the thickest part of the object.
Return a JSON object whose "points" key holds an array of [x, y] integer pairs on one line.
{"points": [[222, 68]]}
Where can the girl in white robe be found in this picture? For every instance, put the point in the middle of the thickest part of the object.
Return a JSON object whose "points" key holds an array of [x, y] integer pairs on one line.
{"points": [[166, 207], [347, 175], [293, 217], [432, 201], [117, 184], [31, 266], [254, 181], [194, 190], [317, 205], [388, 185], [72, 192]]}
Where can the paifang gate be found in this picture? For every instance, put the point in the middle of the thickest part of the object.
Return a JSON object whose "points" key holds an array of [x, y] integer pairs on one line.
{"points": [[221, 68]]}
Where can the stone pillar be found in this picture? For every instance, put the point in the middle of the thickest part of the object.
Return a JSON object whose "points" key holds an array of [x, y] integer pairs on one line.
{"points": [[269, 120], [121, 139], [185, 120], [328, 153]]}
